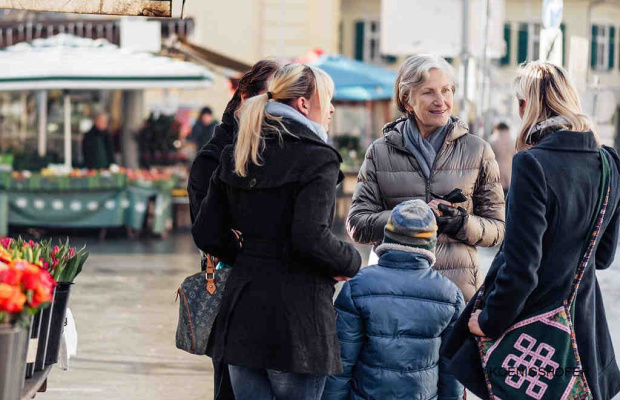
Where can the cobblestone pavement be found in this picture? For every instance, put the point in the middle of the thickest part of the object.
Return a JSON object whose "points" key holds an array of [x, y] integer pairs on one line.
{"points": [[125, 311]]}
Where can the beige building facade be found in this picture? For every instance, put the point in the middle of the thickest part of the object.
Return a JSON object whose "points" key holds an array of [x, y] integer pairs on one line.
{"points": [[249, 30], [360, 39]]}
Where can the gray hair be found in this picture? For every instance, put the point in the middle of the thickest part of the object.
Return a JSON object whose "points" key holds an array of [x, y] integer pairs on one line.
{"points": [[414, 72]]}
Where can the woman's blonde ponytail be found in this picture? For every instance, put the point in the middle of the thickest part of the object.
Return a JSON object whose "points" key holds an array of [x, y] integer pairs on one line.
{"points": [[249, 137]]}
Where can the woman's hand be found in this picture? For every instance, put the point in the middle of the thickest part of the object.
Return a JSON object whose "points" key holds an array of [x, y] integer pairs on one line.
{"points": [[341, 278], [238, 237], [434, 205], [473, 325]]}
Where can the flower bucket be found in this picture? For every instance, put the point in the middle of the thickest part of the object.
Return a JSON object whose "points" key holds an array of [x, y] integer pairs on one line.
{"points": [[44, 331], [61, 298], [33, 344], [13, 350]]}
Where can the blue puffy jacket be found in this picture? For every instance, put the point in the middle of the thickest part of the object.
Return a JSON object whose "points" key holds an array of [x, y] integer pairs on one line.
{"points": [[392, 319]]}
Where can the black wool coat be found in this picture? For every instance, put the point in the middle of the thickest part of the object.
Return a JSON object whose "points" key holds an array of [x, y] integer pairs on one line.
{"points": [[552, 200], [277, 311], [207, 161]]}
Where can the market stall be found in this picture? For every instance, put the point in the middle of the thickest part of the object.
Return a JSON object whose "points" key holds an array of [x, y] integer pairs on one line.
{"points": [[74, 65], [89, 199]]}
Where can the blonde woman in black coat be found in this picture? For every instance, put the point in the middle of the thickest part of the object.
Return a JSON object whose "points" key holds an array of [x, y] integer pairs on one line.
{"points": [[553, 197], [276, 190]]}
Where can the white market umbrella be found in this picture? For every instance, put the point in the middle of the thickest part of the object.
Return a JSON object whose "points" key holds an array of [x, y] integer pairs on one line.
{"points": [[70, 62]]}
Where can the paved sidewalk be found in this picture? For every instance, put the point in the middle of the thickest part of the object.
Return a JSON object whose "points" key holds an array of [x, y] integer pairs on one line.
{"points": [[125, 311]]}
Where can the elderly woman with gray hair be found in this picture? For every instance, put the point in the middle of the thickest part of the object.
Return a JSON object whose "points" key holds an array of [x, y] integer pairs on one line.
{"points": [[428, 154]]}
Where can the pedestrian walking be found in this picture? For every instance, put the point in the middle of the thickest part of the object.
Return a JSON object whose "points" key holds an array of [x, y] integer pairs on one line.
{"points": [[427, 154], [268, 212], [393, 317], [504, 148], [553, 204], [253, 82]]}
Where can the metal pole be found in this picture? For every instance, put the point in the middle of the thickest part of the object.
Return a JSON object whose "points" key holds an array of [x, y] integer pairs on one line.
{"points": [[465, 61], [67, 122], [23, 123], [484, 72], [42, 142]]}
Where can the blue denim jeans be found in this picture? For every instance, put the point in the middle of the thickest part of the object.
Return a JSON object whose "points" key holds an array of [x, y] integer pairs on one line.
{"points": [[268, 384]]}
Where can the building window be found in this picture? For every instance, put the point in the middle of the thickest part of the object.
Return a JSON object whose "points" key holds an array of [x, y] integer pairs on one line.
{"points": [[603, 46], [368, 43], [529, 42]]}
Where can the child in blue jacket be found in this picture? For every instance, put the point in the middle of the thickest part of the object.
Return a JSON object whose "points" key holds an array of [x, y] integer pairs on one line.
{"points": [[393, 317]]}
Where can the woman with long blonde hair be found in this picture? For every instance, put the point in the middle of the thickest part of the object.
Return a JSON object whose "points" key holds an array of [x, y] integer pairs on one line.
{"points": [[553, 201], [268, 212]]}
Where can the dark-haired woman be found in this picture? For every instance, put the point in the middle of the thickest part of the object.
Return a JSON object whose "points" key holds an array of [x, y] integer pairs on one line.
{"points": [[253, 83]]}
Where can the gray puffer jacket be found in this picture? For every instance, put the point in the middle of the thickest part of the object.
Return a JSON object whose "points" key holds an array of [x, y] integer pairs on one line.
{"points": [[391, 174]]}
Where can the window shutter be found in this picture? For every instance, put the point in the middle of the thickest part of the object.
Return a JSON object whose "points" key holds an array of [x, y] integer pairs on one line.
{"points": [[612, 46], [523, 39], [563, 29], [389, 59], [359, 40], [506, 59], [593, 46]]}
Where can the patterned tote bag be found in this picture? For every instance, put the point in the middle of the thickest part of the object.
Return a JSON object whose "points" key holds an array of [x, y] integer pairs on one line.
{"points": [[537, 357]]}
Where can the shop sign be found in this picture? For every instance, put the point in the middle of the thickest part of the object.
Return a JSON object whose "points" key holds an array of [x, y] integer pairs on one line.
{"points": [[146, 8]]}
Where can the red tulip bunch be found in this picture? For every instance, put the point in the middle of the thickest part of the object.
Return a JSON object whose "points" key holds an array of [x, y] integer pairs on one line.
{"points": [[25, 288]]}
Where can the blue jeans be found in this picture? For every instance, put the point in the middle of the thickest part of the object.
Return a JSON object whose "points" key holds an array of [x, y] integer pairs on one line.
{"points": [[267, 384]]}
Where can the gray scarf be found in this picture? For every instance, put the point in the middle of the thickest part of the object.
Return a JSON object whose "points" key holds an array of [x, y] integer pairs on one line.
{"points": [[424, 150], [545, 127], [278, 109]]}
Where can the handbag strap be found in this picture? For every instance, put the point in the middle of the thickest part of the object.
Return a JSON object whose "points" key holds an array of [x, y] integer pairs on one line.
{"points": [[210, 274], [595, 228]]}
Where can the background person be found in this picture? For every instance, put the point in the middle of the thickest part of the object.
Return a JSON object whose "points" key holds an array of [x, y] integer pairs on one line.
{"points": [[553, 196], [504, 148], [393, 317], [202, 131], [97, 147], [276, 188], [425, 154]]}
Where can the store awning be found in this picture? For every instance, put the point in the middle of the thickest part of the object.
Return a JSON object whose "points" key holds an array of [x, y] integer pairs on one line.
{"points": [[69, 62], [357, 81], [228, 66]]}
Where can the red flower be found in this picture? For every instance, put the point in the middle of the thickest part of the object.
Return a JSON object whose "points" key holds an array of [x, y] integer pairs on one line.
{"points": [[6, 242], [31, 276], [72, 253], [12, 299], [9, 275], [32, 244], [55, 251]]}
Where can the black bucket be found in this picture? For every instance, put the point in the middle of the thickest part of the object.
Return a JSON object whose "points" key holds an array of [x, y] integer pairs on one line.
{"points": [[33, 344], [57, 326], [44, 331]]}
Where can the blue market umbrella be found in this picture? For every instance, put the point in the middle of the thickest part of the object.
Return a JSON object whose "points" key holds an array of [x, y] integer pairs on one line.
{"points": [[356, 80]]}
